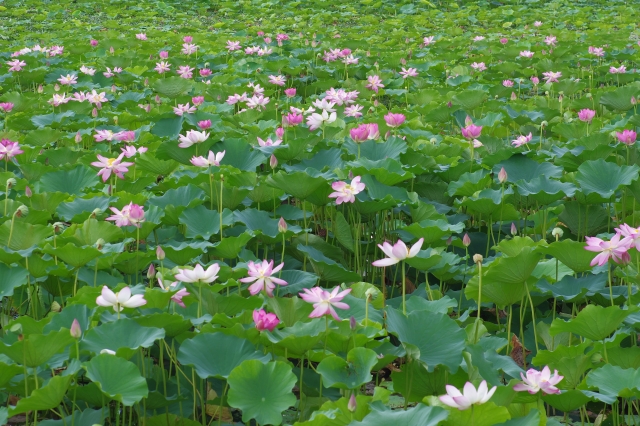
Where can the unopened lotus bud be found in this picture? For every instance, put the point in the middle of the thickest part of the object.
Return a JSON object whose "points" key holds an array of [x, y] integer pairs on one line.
{"points": [[55, 307], [113, 88], [466, 240], [449, 241], [78, 137], [350, 174], [273, 161], [282, 225], [111, 50], [352, 405], [633, 100], [94, 112], [75, 331], [151, 272], [557, 232], [353, 324], [56, 87], [376, 103], [27, 192], [58, 227], [477, 258], [160, 255], [97, 211], [514, 230], [22, 211], [468, 121], [560, 98], [11, 182], [502, 175], [100, 243], [157, 99], [40, 88], [279, 132], [146, 82], [513, 96]]}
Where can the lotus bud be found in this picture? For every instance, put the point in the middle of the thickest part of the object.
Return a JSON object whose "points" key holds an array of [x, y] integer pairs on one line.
{"points": [[100, 243], [468, 121], [633, 100], [97, 211], [11, 182], [557, 232], [449, 104], [157, 99], [273, 161], [279, 132], [282, 225], [151, 272], [350, 174], [502, 175], [477, 258], [55, 307], [146, 82], [514, 230], [513, 96], [56, 87], [58, 227], [78, 137], [352, 404], [113, 88], [112, 50], [160, 253], [22, 211], [545, 123], [466, 240], [94, 112], [353, 323], [449, 241], [76, 331], [27, 192]]}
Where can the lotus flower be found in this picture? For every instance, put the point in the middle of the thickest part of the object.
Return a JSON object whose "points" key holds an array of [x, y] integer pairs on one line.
{"points": [[6, 107], [198, 274], [131, 214], [192, 137], [469, 395], [374, 83], [627, 137], [345, 192], [471, 131], [394, 120], [315, 120], [536, 381], [615, 249], [9, 149], [397, 252], [325, 302], [212, 159], [522, 140], [264, 320], [261, 275], [68, 79], [353, 111], [406, 73], [120, 300], [233, 45], [111, 165], [278, 80]]}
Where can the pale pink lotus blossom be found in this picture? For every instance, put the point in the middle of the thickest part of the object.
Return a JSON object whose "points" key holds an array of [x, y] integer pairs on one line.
{"points": [[537, 24], [16, 65], [374, 83], [198, 274], [397, 252], [324, 105], [258, 102], [315, 120], [125, 136], [130, 151], [185, 71], [468, 397], [526, 54], [264, 320], [535, 80], [96, 98], [235, 98], [620, 70], [233, 45], [478, 38], [350, 60], [427, 41], [264, 51], [615, 249], [522, 140], [197, 100], [346, 192], [57, 99], [68, 79], [119, 300], [182, 109], [552, 77], [353, 111], [103, 135], [6, 107], [479, 66], [631, 234], [189, 48], [261, 275], [111, 165], [269, 142], [324, 303], [87, 70], [162, 67], [56, 50], [411, 72], [192, 137], [586, 115], [394, 120], [278, 80], [212, 159], [550, 40], [537, 381], [130, 215], [507, 83], [170, 286], [251, 50], [596, 51], [627, 137], [141, 36]]}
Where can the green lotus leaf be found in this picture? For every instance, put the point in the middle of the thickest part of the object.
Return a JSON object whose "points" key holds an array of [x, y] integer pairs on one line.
{"points": [[11, 278], [571, 253], [73, 181], [45, 398], [520, 167], [172, 87], [602, 178], [615, 381], [298, 184], [593, 322], [619, 99], [202, 222], [414, 382], [36, 349], [123, 333], [351, 373], [126, 387], [418, 415], [327, 269]]}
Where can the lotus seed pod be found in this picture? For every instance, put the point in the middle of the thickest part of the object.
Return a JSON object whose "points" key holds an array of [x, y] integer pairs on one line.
{"points": [[557, 232], [477, 258]]}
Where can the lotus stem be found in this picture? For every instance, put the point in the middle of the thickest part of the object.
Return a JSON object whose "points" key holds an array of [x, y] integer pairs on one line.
{"points": [[533, 315], [404, 291]]}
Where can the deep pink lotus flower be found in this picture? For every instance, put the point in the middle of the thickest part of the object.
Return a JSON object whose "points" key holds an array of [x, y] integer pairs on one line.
{"points": [[504, 40], [212, 159], [120, 300], [291, 120], [130, 215], [93, 43], [615, 249], [536, 381], [290, 92], [469, 395], [552, 77], [586, 115], [374, 83], [397, 252], [197, 100], [394, 120], [631, 234], [324, 303], [125, 136], [522, 140], [6, 107], [264, 320], [187, 39], [261, 275], [278, 80], [163, 54], [507, 83], [9, 149], [345, 192], [471, 131], [204, 124], [111, 165], [198, 274], [627, 137], [360, 133], [233, 45]]}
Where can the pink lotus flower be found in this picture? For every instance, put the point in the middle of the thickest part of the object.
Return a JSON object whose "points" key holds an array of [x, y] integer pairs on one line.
{"points": [[596, 51], [552, 77], [125, 136], [93, 43], [504, 40], [522, 140], [261, 275], [120, 300], [204, 124], [479, 66], [620, 70], [291, 119], [537, 24], [258, 102], [394, 120], [129, 151], [325, 302], [103, 135], [265, 321], [211, 160], [141, 36], [631, 234], [163, 54], [192, 137], [324, 105], [9, 149], [406, 73], [353, 111], [269, 142], [374, 83], [427, 41], [233, 45], [111, 165], [185, 71], [615, 249], [478, 38], [184, 109], [162, 67], [315, 120], [397, 252], [205, 72], [350, 60], [57, 99], [278, 80], [290, 92], [6, 107], [198, 274], [535, 80], [526, 54], [16, 65], [536, 381], [189, 48], [462, 401], [87, 70], [68, 79], [550, 40], [586, 115], [130, 215], [627, 137], [507, 83], [197, 100], [471, 131], [360, 133], [345, 192]]}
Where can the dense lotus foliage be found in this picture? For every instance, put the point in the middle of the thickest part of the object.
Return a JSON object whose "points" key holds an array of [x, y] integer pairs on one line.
{"points": [[319, 213]]}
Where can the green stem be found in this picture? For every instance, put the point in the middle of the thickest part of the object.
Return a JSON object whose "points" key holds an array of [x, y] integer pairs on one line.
{"points": [[533, 316], [404, 291]]}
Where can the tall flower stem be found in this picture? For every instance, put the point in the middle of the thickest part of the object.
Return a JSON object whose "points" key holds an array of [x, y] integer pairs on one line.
{"points": [[220, 204], [533, 316], [477, 327], [610, 283], [404, 291]]}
